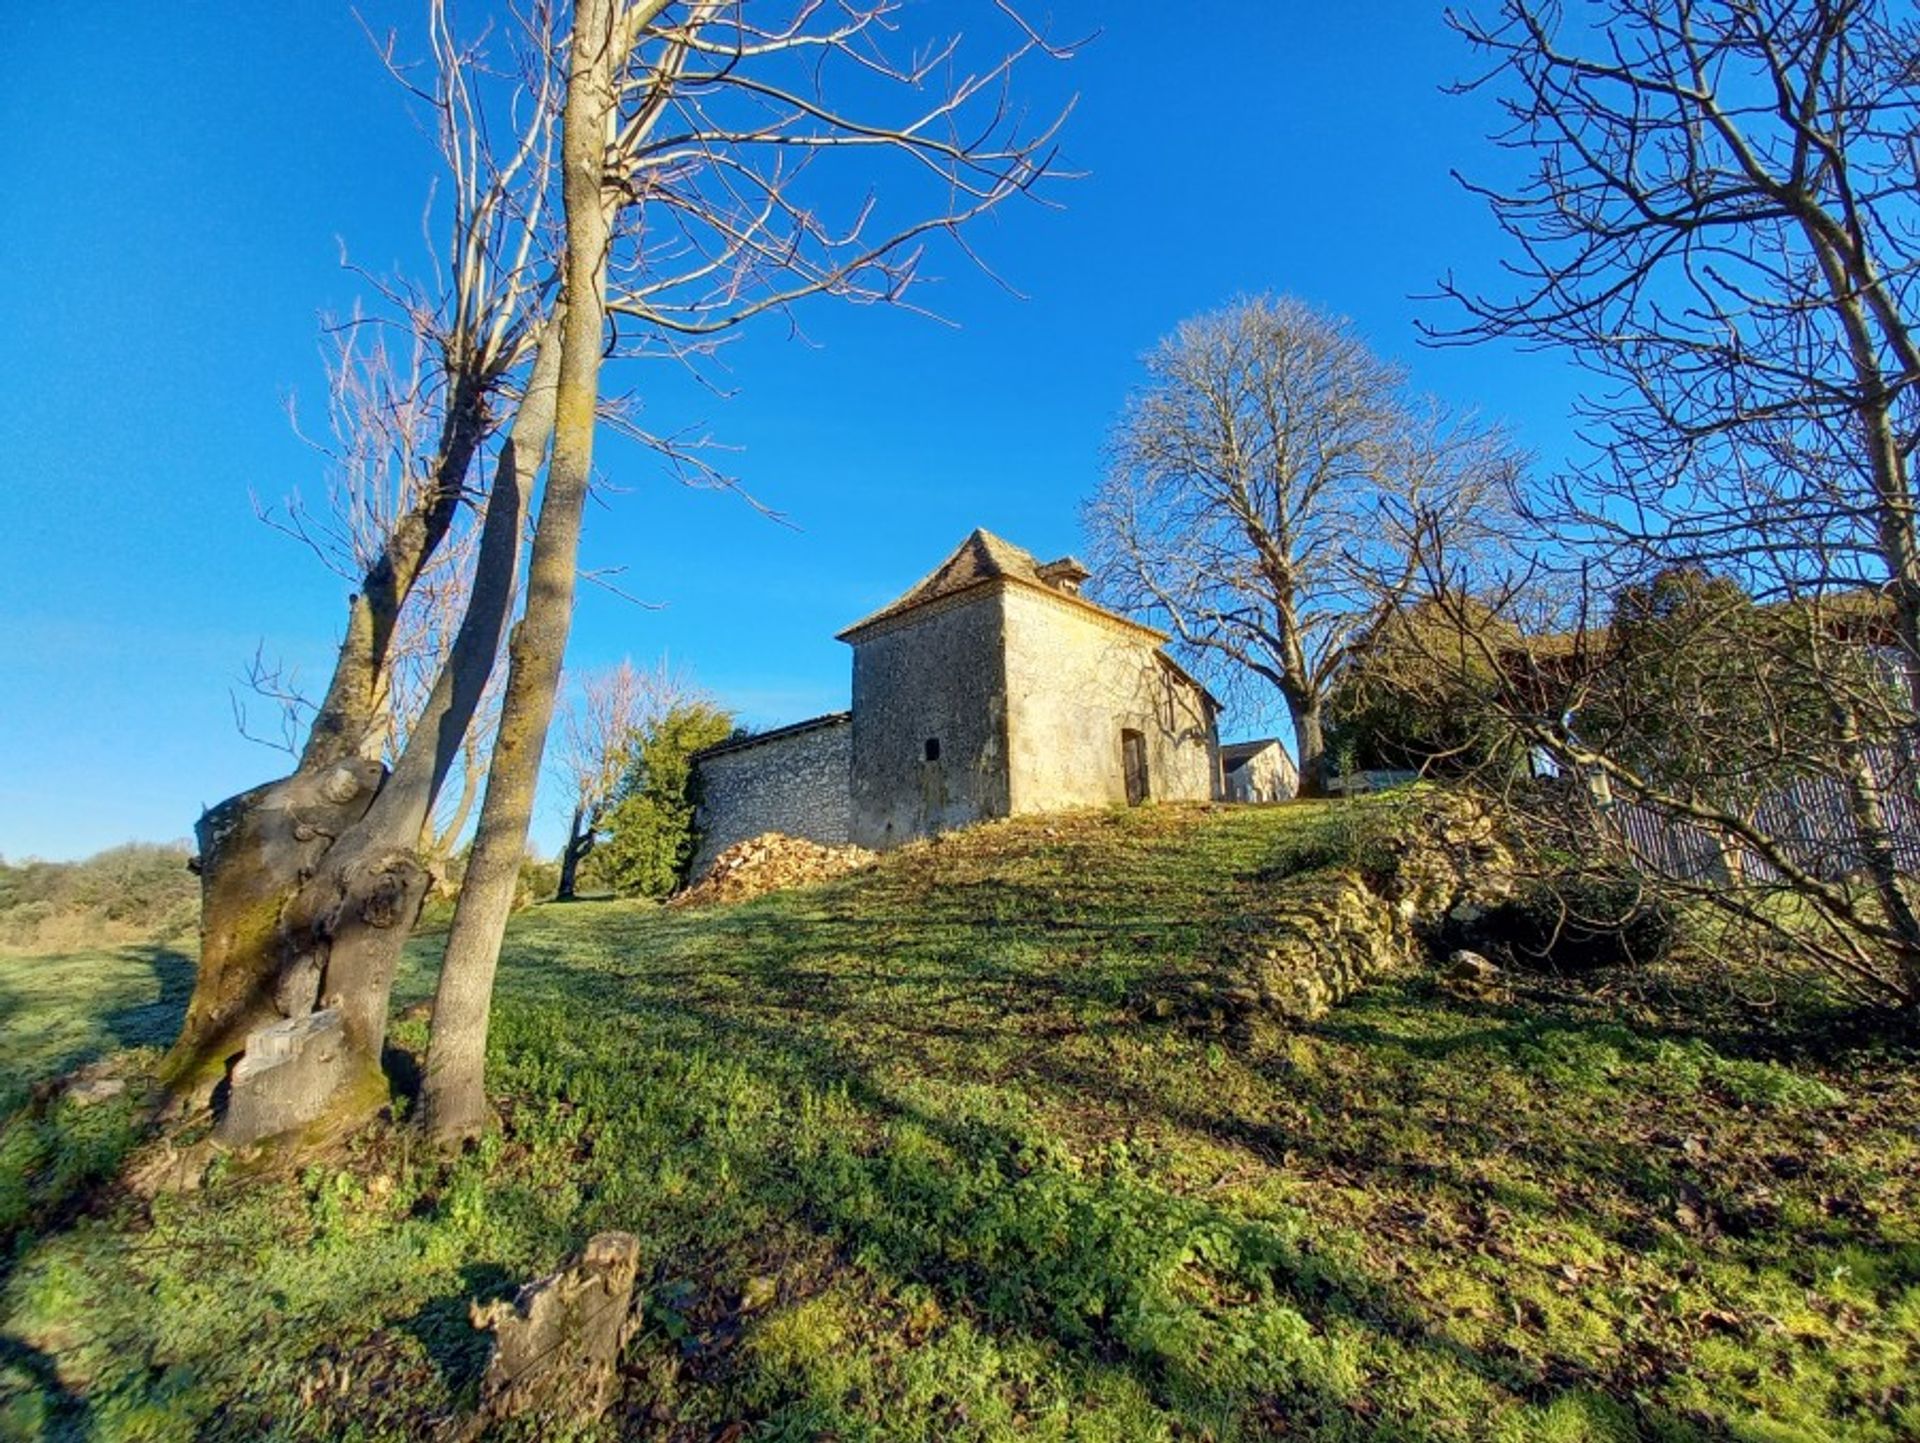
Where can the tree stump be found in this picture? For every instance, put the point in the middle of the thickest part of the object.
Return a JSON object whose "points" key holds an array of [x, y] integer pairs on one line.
{"points": [[286, 1079], [557, 1344]]}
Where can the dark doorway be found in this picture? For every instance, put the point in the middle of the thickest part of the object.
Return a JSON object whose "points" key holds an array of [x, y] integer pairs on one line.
{"points": [[1133, 761]]}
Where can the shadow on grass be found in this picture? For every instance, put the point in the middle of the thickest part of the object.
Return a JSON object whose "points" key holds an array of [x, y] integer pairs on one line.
{"points": [[154, 1023], [27, 1374], [444, 1328], [1103, 1265], [64, 1010]]}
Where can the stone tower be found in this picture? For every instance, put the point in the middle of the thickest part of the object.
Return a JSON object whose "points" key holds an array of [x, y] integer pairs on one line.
{"points": [[992, 687]]}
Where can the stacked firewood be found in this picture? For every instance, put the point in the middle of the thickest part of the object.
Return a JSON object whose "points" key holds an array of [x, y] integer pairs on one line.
{"points": [[768, 863]]}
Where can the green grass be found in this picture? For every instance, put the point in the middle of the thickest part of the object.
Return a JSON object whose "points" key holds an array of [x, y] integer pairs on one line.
{"points": [[912, 1158]]}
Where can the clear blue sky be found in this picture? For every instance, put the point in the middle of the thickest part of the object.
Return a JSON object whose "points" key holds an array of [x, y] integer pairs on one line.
{"points": [[176, 180]]}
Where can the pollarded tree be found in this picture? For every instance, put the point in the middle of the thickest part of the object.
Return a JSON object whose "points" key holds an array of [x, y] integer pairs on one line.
{"points": [[691, 204], [1269, 491], [408, 468]]}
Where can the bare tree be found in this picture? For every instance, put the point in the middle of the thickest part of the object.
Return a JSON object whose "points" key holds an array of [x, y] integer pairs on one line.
{"points": [[609, 710], [380, 428], [690, 209], [1268, 493], [685, 175], [266, 933], [1721, 221], [603, 37], [692, 214]]}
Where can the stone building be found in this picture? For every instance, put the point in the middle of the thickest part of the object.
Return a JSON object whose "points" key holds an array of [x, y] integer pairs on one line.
{"points": [[992, 688], [1258, 771]]}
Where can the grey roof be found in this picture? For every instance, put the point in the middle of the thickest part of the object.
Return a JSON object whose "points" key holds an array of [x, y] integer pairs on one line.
{"points": [[984, 557], [832, 718], [1234, 754]]}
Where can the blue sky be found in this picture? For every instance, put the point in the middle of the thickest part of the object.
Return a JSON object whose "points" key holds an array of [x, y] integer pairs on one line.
{"points": [[177, 183]]}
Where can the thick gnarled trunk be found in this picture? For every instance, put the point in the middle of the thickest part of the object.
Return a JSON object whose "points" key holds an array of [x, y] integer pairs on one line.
{"points": [[256, 849], [311, 885]]}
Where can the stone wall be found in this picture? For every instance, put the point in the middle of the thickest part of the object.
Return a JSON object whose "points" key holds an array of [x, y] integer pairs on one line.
{"points": [[1267, 776], [1075, 681], [795, 780], [931, 682]]}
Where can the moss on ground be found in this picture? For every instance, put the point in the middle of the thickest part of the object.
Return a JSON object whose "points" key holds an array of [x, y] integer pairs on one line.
{"points": [[910, 1161]]}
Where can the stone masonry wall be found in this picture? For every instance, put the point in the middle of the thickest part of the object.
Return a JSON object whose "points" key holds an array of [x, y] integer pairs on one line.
{"points": [[1267, 776], [935, 676], [797, 784], [1074, 682]]}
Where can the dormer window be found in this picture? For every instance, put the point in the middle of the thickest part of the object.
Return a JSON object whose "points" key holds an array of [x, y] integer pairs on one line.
{"points": [[1064, 575]]}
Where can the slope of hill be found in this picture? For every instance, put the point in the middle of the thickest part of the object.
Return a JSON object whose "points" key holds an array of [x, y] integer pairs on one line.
{"points": [[134, 893], [915, 1155]]}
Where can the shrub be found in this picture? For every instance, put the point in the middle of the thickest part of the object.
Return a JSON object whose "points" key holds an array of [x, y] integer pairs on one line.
{"points": [[1571, 923], [133, 892], [649, 829]]}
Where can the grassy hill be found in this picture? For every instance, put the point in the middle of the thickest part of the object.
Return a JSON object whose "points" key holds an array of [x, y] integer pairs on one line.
{"points": [[916, 1156]]}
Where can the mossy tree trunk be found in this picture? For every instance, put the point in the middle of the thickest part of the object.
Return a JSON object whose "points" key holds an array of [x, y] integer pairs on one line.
{"points": [[310, 885], [455, 1095]]}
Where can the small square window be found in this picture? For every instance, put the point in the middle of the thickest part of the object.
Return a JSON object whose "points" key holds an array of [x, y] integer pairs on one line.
{"points": [[933, 749]]}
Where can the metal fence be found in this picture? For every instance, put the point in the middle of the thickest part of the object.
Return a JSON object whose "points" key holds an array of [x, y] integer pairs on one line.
{"points": [[1809, 819]]}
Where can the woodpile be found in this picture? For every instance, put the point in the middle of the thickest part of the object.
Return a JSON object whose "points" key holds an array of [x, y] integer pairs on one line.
{"points": [[768, 863]]}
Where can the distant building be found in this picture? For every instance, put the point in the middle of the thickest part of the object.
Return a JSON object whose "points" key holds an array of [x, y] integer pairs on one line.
{"points": [[1259, 771], [992, 688]]}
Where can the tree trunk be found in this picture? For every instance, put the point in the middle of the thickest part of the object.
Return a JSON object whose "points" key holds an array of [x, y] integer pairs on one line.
{"points": [[259, 847], [348, 721], [1309, 730], [255, 849], [579, 843], [454, 1090], [310, 886]]}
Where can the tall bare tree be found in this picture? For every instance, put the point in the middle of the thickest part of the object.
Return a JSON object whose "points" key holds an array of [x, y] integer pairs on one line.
{"points": [[603, 38], [1268, 493], [690, 205], [264, 948], [705, 217], [1721, 221]]}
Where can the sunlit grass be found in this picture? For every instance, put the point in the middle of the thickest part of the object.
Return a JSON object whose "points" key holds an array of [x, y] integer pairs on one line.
{"points": [[910, 1159]]}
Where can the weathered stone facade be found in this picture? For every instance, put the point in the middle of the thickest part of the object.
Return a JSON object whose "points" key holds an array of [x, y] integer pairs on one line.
{"points": [[930, 720], [1079, 679], [1259, 771], [794, 780], [991, 688]]}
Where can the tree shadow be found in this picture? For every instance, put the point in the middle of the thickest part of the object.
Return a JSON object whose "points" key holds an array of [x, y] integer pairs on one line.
{"points": [[27, 1373], [156, 1022], [1029, 1245], [444, 1329]]}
